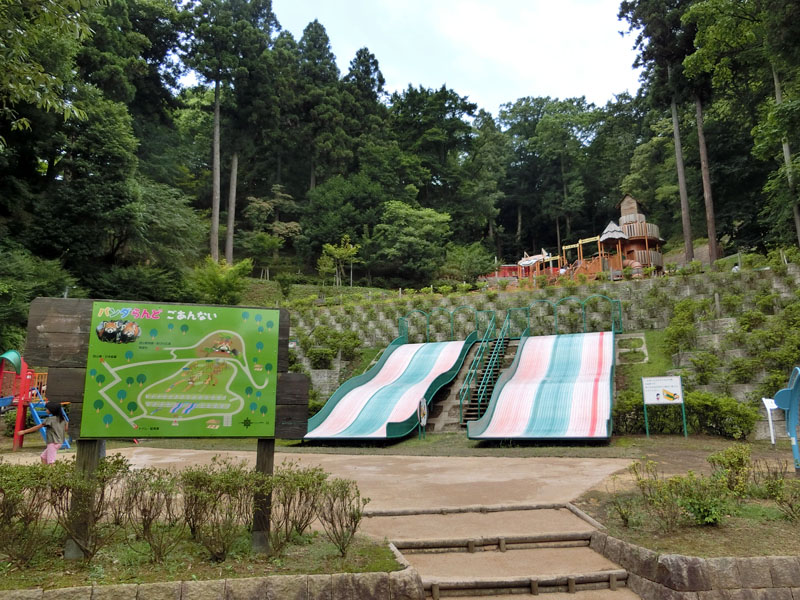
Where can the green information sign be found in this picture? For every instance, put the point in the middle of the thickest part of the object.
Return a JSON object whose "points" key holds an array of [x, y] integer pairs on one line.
{"points": [[167, 370]]}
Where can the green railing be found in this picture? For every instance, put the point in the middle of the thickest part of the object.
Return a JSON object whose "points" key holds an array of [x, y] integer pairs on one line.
{"points": [[465, 393], [498, 352], [403, 322], [484, 320]]}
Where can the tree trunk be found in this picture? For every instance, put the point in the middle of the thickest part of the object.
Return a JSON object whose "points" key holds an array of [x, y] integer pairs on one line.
{"points": [[215, 168], [787, 158], [566, 197], [558, 235], [685, 221], [713, 250], [519, 225], [231, 209]]}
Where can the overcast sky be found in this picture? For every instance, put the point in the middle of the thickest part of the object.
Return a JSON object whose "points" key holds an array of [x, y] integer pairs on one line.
{"points": [[493, 51]]}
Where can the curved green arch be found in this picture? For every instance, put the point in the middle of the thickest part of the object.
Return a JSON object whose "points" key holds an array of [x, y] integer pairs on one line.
{"points": [[447, 312], [427, 322]]}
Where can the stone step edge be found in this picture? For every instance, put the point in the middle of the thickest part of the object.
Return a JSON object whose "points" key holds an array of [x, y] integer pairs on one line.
{"points": [[472, 508], [482, 508], [460, 544], [618, 575]]}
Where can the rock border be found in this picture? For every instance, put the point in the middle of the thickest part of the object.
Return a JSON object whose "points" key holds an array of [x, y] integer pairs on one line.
{"points": [[396, 585], [676, 577]]}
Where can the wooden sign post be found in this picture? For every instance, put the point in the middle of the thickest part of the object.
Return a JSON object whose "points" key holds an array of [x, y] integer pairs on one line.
{"points": [[61, 331]]}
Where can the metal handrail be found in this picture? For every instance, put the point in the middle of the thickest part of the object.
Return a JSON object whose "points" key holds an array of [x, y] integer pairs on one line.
{"points": [[465, 391], [493, 358]]}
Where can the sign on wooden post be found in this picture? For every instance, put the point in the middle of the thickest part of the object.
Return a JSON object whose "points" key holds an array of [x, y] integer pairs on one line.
{"points": [[143, 369]]}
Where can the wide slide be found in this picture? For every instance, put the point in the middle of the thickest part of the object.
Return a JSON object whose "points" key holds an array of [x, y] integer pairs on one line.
{"points": [[559, 386], [367, 406]]}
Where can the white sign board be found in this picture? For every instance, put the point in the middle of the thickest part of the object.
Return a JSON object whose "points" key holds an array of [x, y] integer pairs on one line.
{"points": [[769, 404], [662, 390]]}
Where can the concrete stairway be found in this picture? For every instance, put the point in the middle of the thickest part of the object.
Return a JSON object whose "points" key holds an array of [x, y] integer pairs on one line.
{"points": [[445, 413], [472, 411], [492, 552]]}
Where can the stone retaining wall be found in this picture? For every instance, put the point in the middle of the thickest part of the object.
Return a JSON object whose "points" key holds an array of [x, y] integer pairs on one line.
{"points": [[675, 577], [398, 585]]}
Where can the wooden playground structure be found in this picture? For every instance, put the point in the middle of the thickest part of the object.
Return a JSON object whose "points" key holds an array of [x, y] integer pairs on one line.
{"points": [[23, 389], [634, 244]]}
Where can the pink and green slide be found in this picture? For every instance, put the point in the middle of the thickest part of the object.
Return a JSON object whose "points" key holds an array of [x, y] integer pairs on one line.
{"points": [[559, 386], [382, 403]]}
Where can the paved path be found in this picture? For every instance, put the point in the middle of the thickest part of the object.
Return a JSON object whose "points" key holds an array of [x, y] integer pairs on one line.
{"points": [[397, 482]]}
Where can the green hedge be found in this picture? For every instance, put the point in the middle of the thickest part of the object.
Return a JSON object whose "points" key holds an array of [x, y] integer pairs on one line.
{"points": [[709, 413]]}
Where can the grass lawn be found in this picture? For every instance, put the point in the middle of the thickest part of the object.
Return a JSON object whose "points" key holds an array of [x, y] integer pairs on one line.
{"points": [[752, 528]]}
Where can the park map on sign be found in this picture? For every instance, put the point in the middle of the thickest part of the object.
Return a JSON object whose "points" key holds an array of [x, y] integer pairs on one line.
{"points": [[163, 370]]}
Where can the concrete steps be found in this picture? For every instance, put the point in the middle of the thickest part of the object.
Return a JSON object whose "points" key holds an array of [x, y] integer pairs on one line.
{"points": [[497, 551]]}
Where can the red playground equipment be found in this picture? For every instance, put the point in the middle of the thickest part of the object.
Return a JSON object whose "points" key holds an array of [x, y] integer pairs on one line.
{"points": [[22, 388]]}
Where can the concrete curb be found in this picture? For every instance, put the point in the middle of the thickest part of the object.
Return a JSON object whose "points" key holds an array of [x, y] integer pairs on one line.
{"points": [[656, 576], [396, 585]]}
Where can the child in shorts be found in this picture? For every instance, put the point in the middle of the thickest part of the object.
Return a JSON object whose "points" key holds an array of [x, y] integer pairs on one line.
{"points": [[57, 426]]}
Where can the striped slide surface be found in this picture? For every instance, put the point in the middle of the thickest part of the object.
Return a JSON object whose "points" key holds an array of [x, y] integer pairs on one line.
{"points": [[558, 387], [391, 396]]}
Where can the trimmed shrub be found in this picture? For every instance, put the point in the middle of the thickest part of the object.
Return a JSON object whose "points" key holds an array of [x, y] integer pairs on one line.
{"points": [[720, 415]]}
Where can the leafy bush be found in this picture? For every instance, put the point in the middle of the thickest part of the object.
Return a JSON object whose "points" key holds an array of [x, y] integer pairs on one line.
{"points": [[705, 499], [731, 303], [628, 415], [321, 358], [87, 508], [285, 283], [341, 511], [742, 370], [223, 506], [152, 509], [786, 494], [661, 496], [680, 337], [735, 466], [764, 472], [24, 498], [220, 283], [705, 365], [720, 415], [296, 493], [750, 320]]}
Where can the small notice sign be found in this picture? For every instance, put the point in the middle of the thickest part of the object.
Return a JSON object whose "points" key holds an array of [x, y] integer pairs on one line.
{"points": [[662, 390]]}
